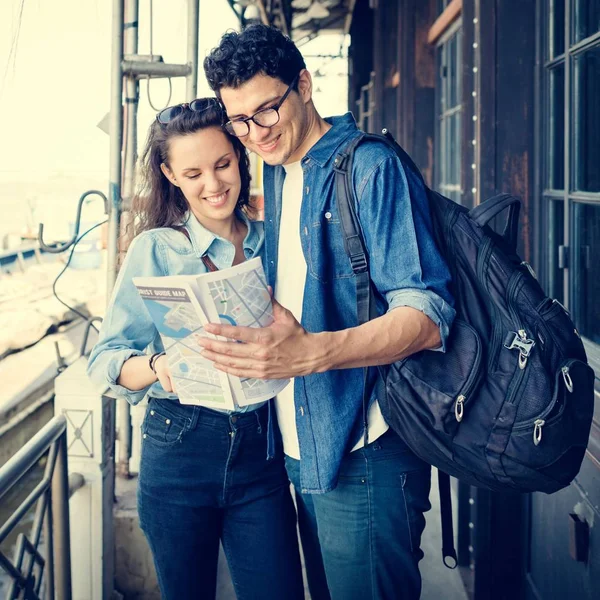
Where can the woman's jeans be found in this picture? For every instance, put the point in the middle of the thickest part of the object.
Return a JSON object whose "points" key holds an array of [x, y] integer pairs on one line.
{"points": [[361, 541], [204, 477]]}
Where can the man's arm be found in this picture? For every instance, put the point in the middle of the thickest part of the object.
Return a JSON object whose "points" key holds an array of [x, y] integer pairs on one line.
{"points": [[285, 349], [405, 267]]}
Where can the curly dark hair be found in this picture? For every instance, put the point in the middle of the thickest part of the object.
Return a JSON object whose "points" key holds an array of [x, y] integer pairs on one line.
{"points": [[257, 49], [158, 203]]}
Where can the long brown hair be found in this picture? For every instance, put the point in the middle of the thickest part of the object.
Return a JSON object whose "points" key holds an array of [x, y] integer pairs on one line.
{"points": [[159, 203]]}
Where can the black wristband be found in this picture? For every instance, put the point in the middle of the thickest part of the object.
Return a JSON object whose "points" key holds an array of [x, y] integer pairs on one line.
{"points": [[152, 361]]}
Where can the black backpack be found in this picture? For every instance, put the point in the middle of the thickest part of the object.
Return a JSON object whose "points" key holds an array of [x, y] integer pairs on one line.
{"points": [[509, 405]]}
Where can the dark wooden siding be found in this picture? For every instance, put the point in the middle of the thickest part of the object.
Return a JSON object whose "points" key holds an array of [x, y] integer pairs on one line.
{"points": [[520, 544]]}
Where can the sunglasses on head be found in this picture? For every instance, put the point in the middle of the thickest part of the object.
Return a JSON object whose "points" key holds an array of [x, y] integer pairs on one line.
{"points": [[166, 115]]}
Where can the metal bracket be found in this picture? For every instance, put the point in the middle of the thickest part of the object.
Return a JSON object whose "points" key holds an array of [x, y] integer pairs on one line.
{"points": [[563, 257]]}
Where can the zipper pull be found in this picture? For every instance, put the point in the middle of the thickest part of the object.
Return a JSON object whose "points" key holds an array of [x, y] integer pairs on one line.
{"points": [[459, 408], [567, 378], [537, 431]]}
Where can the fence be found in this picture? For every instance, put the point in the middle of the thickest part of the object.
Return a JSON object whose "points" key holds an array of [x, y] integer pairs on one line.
{"points": [[51, 522]]}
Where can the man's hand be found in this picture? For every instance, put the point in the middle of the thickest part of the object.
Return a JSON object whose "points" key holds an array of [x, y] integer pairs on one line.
{"points": [[281, 350]]}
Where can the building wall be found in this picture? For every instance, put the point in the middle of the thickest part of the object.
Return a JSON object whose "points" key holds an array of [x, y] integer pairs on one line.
{"points": [[510, 546]]}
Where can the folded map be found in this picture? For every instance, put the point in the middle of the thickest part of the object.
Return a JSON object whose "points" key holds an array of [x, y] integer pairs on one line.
{"points": [[181, 305]]}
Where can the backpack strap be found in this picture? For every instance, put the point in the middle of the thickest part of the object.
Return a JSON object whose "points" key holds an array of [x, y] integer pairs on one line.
{"points": [[208, 263], [356, 251], [448, 551], [353, 239]]}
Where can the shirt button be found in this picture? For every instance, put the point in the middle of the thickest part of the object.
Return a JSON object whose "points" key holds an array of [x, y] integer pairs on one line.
{"points": [[328, 215], [301, 410], [144, 436], [168, 421], [272, 262], [152, 412], [307, 189]]}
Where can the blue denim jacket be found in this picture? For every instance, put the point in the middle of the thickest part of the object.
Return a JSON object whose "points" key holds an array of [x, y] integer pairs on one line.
{"points": [[127, 329], [405, 267]]}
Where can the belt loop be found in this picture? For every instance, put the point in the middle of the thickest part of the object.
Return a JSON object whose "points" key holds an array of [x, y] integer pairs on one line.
{"points": [[259, 428], [195, 416], [270, 432]]}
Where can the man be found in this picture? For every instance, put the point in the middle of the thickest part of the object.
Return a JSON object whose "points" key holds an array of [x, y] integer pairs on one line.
{"points": [[360, 507]]}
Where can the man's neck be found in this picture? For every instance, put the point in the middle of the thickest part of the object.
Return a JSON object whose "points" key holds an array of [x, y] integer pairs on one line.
{"points": [[316, 129]]}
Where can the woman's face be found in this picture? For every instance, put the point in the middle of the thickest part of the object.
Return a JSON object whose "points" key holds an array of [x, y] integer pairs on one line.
{"points": [[205, 166]]}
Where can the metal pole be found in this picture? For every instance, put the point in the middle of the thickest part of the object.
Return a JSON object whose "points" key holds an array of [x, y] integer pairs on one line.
{"points": [[191, 89], [116, 142], [131, 108], [60, 517], [49, 539], [132, 96]]}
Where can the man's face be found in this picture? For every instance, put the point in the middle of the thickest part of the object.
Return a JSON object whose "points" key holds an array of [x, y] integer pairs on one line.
{"points": [[284, 142]]}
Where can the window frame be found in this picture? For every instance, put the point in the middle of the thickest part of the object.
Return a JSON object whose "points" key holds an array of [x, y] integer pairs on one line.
{"points": [[443, 115], [569, 195]]}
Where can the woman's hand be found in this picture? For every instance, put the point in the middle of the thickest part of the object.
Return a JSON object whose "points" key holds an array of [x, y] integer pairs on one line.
{"points": [[161, 366]]}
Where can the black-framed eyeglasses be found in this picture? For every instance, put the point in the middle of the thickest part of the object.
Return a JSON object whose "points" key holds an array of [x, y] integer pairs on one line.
{"points": [[266, 117], [166, 115]]}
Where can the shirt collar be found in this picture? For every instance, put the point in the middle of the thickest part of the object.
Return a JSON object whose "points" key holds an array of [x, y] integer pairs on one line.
{"points": [[202, 239], [341, 129]]}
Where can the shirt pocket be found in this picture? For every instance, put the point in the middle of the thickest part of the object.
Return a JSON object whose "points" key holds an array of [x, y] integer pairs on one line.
{"points": [[327, 256]]}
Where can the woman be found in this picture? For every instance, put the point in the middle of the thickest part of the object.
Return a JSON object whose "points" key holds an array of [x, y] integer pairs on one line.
{"points": [[205, 475]]}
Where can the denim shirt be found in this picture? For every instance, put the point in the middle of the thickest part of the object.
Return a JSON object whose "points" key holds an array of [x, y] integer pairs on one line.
{"points": [[127, 329], [406, 269]]}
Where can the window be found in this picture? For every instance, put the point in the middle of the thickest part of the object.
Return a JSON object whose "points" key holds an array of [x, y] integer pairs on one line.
{"points": [[571, 156], [449, 111]]}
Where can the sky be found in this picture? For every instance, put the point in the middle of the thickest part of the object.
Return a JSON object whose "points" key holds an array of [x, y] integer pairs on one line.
{"points": [[55, 89], [55, 76]]}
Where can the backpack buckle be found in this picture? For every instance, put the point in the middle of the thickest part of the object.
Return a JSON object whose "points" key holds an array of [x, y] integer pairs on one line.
{"points": [[339, 164], [359, 263], [519, 341]]}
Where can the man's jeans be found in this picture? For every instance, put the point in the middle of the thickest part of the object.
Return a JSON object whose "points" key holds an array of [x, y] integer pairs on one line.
{"points": [[364, 536], [204, 477]]}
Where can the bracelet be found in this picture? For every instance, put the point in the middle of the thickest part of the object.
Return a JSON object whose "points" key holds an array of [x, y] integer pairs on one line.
{"points": [[153, 359]]}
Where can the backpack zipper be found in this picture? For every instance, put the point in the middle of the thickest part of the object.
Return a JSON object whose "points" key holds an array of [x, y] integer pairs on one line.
{"points": [[485, 251], [515, 279], [470, 385], [540, 421], [520, 341]]}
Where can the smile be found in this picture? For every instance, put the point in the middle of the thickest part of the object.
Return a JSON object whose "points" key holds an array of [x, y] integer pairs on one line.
{"points": [[269, 147], [218, 199]]}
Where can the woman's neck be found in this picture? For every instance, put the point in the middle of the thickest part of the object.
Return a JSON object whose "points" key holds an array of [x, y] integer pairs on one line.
{"points": [[232, 229]]}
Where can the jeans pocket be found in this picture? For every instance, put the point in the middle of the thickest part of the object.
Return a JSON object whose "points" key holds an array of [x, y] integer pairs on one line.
{"points": [[415, 491], [161, 428]]}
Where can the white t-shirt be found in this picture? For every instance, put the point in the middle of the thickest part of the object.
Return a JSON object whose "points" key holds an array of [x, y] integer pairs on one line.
{"points": [[289, 291]]}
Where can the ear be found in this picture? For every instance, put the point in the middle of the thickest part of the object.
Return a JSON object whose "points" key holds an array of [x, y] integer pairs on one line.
{"points": [[305, 86], [168, 174]]}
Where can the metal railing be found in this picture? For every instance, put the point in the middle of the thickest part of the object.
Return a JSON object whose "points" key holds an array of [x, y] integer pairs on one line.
{"points": [[29, 569]]}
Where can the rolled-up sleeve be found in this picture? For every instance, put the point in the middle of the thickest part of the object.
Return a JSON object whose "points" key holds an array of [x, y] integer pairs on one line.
{"points": [[405, 264], [127, 329], [430, 304]]}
